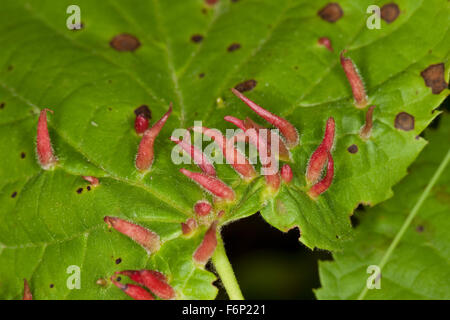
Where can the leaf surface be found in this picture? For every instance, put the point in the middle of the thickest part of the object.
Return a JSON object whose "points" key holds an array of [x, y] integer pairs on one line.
{"points": [[93, 89], [419, 268]]}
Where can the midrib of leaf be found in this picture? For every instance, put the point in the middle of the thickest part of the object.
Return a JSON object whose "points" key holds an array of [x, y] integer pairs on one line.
{"points": [[410, 217], [170, 64]]}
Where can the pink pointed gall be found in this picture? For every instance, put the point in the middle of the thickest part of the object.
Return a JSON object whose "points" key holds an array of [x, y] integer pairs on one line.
{"points": [[366, 130], [199, 158], [233, 156], [145, 155], [26, 291], [92, 180], [132, 290], [144, 237], [208, 245], [237, 122], [355, 80], [202, 208], [155, 281], [319, 157], [325, 183], [44, 148], [286, 128], [211, 184], [286, 173], [326, 42], [188, 226]]}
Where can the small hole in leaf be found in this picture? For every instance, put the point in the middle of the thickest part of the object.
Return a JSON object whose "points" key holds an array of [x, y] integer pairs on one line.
{"points": [[420, 228], [88, 188], [79, 190], [118, 278], [118, 260], [201, 75], [14, 194], [2, 105], [354, 220], [22, 155], [52, 285]]}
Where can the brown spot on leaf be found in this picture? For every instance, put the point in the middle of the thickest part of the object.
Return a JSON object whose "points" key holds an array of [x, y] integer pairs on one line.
{"points": [[390, 12], [434, 77], [201, 75], [246, 85], [10, 68], [196, 38], [88, 188], [420, 228], [118, 260], [14, 194], [234, 46], [144, 111], [2, 105], [23, 155], [211, 2], [404, 121], [332, 12], [79, 190], [125, 42], [353, 148], [51, 285]]}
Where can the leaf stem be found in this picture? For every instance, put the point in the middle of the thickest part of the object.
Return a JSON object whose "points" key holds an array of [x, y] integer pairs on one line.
{"points": [[225, 271], [410, 217]]}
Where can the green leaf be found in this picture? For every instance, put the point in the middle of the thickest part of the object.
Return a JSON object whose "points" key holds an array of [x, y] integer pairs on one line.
{"points": [[93, 90], [419, 267]]}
